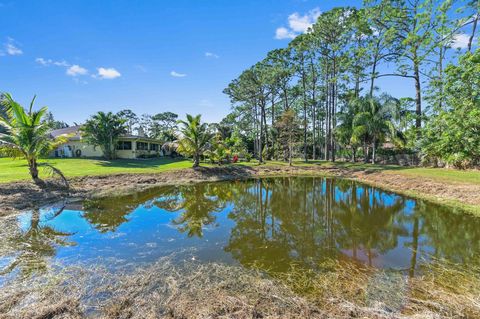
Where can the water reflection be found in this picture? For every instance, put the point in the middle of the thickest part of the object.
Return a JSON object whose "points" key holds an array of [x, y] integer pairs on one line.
{"points": [[32, 244], [197, 205], [269, 223]]}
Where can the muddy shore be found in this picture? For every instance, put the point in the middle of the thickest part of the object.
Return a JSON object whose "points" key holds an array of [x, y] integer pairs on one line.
{"points": [[18, 196]]}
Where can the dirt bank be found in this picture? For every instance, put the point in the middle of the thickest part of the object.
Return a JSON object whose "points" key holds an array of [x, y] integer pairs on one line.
{"points": [[19, 196]]}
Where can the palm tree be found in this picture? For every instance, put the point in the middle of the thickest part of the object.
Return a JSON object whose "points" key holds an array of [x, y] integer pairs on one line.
{"points": [[375, 121], [195, 139], [104, 129], [27, 134]]}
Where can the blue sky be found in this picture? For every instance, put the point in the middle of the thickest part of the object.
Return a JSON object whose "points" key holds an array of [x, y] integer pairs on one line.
{"points": [[80, 57]]}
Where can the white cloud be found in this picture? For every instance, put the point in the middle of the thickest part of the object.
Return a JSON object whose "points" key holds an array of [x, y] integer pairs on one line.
{"points": [[177, 75], [70, 70], [283, 33], [42, 61], [297, 24], [12, 49], [211, 55], [48, 62], [460, 41], [75, 70], [108, 73]]}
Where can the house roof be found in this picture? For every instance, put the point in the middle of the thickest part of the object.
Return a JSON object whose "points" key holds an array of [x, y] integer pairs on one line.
{"points": [[72, 130], [75, 133]]}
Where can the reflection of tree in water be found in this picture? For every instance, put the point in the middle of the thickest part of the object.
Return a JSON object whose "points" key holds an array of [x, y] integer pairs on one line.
{"points": [[455, 237], [107, 214], [256, 237], [32, 247], [304, 220], [197, 204], [368, 222], [277, 223]]}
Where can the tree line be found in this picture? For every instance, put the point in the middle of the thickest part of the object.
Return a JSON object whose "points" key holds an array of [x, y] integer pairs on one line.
{"points": [[318, 97], [320, 92]]}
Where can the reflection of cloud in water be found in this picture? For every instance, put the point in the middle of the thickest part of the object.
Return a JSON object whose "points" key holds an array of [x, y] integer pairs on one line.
{"points": [[115, 235]]}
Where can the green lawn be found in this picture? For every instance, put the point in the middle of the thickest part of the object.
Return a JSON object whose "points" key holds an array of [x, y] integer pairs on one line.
{"points": [[440, 174], [15, 170]]}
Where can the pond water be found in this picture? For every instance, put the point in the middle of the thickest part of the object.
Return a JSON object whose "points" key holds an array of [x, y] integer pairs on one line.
{"points": [[269, 223]]}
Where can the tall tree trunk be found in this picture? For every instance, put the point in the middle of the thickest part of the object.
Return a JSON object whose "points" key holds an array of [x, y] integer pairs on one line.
{"points": [[472, 36], [314, 133], [260, 138], [374, 70], [314, 105], [320, 131], [334, 109], [273, 125], [330, 124], [255, 131], [440, 76], [285, 98], [304, 88], [327, 115], [418, 95], [265, 128]]}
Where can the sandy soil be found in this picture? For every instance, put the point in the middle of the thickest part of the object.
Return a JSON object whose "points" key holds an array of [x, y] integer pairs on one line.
{"points": [[15, 197]]}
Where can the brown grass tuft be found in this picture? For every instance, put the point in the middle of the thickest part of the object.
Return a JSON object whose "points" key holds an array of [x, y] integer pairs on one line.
{"points": [[338, 289]]}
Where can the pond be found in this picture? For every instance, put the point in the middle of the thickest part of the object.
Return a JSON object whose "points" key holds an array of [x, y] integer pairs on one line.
{"points": [[270, 223]]}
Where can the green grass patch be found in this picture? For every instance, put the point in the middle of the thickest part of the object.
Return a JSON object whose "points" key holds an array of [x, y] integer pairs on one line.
{"points": [[17, 170]]}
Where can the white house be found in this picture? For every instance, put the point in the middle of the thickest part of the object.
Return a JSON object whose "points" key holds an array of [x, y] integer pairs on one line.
{"points": [[128, 146]]}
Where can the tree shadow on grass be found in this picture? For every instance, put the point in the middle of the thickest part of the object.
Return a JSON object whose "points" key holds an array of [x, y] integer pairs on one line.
{"points": [[139, 163], [229, 171]]}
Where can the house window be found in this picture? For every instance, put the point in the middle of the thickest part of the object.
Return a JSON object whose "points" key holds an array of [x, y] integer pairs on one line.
{"points": [[154, 147], [141, 146], [124, 145]]}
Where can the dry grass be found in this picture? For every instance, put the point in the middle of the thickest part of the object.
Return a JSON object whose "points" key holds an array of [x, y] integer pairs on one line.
{"points": [[167, 289], [446, 289]]}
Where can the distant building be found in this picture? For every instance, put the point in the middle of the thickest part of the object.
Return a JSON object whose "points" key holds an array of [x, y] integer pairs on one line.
{"points": [[128, 146]]}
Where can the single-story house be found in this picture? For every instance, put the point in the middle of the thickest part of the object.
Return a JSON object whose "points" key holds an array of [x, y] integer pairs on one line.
{"points": [[128, 146]]}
